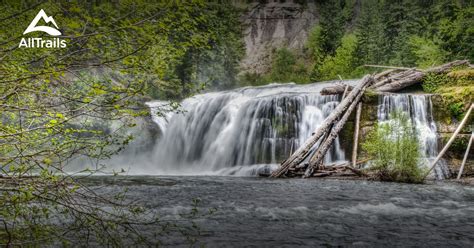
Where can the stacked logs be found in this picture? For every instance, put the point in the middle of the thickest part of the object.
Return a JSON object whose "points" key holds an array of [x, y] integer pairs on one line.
{"points": [[343, 169], [397, 79], [307, 160]]}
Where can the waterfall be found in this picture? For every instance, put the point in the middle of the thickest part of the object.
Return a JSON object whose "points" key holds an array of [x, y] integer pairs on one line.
{"points": [[238, 131], [419, 108]]}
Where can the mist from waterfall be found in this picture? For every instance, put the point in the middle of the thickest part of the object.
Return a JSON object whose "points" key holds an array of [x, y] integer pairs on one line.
{"points": [[239, 131], [419, 108]]}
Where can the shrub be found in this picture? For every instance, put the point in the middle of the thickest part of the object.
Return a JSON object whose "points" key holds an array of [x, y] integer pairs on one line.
{"points": [[286, 67], [341, 64], [395, 150], [426, 52]]}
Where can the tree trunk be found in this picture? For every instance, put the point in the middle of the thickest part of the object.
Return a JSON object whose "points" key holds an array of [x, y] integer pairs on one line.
{"points": [[302, 152], [411, 77], [465, 156], [394, 80], [335, 89], [326, 144], [356, 134]]}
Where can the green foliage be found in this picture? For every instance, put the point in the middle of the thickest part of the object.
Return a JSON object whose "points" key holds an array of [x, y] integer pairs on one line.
{"points": [[432, 81], [253, 79], [371, 41], [286, 68], [314, 41], [427, 53], [456, 88], [395, 150], [398, 33], [456, 109], [342, 63], [283, 64], [79, 101]]}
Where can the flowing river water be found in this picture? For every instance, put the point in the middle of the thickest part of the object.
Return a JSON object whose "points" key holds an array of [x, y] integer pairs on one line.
{"points": [[215, 148], [260, 212]]}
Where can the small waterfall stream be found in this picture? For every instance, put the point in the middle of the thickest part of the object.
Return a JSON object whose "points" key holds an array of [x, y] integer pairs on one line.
{"points": [[236, 132], [419, 108]]}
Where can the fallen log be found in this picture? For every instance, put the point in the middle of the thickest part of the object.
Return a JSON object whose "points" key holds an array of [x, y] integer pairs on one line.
{"points": [[335, 89], [398, 78], [393, 77], [301, 153], [383, 74], [323, 174], [326, 144], [412, 77], [344, 164], [388, 67]]}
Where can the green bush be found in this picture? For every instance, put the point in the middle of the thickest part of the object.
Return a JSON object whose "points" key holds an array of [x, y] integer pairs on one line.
{"points": [[432, 81], [341, 64], [426, 52], [395, 150], [287, 68]]}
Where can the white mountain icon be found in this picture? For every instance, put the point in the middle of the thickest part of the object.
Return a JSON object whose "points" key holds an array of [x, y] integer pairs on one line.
{"points": [[41, 14]]}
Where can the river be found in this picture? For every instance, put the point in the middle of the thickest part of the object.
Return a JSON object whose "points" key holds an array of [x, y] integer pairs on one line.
{"points": [[262, 212]]}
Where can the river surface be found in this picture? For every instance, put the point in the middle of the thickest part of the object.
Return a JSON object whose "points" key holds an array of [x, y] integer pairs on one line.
{"points": [[261, 212]]}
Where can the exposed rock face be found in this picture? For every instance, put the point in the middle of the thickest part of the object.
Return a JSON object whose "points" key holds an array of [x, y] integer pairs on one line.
{"points": [[272, 24]]}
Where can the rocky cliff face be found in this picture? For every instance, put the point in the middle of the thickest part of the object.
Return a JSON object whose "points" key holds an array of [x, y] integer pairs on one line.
{"points": [[274, 24]]}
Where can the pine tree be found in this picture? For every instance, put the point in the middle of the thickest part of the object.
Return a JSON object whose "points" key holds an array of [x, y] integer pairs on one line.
{"points": [[370, 36]]}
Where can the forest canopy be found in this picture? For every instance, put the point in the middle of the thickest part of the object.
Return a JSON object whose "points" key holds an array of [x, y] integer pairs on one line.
{"points": [[79, 100], [350, 34]]}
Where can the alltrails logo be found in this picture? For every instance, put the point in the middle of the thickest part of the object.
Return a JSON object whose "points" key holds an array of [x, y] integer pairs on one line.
{"points": [[40, 42]]}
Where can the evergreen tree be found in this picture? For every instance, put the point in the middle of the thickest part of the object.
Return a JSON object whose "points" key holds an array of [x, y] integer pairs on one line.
{"points": [[370, 36]]}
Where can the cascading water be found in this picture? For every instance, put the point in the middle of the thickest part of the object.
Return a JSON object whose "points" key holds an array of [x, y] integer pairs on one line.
{"points": [[238, 131], [419, 108]]}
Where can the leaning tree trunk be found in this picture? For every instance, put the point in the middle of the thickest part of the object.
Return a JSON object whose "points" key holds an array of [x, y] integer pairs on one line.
{"points": [[301, 153], [317, 157]]}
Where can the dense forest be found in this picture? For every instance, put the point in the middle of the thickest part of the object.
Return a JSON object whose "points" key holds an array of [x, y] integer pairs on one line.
{"points": [[353, 33]]}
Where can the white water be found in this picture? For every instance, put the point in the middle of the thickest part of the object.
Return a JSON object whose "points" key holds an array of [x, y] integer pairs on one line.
{"points": [[240, 131], [419, 108], [243, 131]]}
